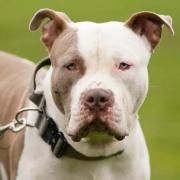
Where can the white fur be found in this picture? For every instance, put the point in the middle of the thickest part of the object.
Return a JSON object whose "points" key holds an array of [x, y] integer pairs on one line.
{"points": [[102, 46], [38, 163]]}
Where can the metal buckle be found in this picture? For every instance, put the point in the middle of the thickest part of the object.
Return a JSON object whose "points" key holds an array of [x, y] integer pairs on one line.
{"points": [[51, 135], [14, 126], [58, 145], [18, 123]]}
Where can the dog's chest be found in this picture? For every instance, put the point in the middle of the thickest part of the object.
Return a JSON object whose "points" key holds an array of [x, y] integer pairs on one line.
{"points": [[38, 163], [68, 169]]}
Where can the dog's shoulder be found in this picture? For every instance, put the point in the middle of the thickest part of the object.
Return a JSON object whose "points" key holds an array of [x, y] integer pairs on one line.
{"points": [[15, 74]]}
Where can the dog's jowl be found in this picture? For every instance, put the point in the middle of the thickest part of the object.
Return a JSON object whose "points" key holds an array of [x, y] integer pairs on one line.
{"points": [[92, 91]]}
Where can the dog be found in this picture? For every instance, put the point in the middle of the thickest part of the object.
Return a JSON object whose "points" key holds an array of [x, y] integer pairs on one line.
{"points": [[96, 83]]}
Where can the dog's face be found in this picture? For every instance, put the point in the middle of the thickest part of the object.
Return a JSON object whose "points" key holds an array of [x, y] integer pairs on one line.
{"points": [[99, 71], [99, 78]]}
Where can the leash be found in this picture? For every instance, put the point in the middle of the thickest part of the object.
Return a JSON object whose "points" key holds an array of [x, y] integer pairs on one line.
{"points": [[16, 124], [46, 126]]}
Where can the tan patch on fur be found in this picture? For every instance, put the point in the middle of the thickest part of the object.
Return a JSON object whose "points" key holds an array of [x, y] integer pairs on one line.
{"points": [[49, 34], [15, 75], [65, 51], [58, 22], [150, 25]]}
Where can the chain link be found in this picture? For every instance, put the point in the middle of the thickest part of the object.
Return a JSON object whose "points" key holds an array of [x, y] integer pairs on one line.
{"points": [[19, 123]]}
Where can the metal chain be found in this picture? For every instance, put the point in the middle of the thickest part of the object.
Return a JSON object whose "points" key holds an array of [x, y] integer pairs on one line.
{"points": [[18, 123]]}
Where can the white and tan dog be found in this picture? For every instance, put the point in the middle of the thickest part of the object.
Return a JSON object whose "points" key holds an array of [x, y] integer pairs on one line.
{"points": [[94, 88]]}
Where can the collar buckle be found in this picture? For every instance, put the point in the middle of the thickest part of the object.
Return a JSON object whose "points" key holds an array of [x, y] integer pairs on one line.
{"points": [[58, 145], [51, 135]]}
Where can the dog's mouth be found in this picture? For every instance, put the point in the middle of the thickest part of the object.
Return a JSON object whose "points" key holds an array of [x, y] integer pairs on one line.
{"points": [[97, 125]]}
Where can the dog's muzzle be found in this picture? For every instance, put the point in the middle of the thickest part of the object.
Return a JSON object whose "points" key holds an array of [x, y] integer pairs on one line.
{"points": [[96, 115]]}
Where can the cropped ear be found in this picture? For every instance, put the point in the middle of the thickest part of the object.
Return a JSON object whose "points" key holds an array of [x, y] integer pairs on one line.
{"points": [[150, 25], [57, 23]]}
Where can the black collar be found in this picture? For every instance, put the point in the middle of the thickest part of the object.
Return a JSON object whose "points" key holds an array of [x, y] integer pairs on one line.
{"points": [[48, 129]]}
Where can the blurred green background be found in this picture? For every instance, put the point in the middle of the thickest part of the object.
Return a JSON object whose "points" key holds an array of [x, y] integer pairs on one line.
{"points": [[160, 114]]}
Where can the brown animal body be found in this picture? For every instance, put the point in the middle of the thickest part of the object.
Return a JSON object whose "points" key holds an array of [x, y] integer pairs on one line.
{"points": [[15, 74]]}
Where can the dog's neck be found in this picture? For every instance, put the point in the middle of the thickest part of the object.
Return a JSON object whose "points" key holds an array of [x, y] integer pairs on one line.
{"points": [[104, 146]]}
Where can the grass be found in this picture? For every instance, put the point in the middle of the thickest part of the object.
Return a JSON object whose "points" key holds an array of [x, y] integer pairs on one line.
{"points": [[160, 117]]}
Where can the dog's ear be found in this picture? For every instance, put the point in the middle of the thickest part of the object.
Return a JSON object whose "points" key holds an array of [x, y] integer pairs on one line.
{"points": [[150, 25], [57, 23]]}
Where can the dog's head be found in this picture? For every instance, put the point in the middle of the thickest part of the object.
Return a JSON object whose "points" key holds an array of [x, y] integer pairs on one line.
{"points": [[99, 71]]}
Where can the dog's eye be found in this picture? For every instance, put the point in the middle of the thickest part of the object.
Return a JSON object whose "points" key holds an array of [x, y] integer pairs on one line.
{"points": [[124, 66], [71, 67]]}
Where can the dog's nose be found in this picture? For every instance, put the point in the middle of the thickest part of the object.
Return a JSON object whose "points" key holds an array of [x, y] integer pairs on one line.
{"points": [[98, 99]]}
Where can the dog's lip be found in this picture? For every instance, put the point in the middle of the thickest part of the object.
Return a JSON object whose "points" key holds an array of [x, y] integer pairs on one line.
{"points": [[77, 138], [82, 130], [76, 135]]}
